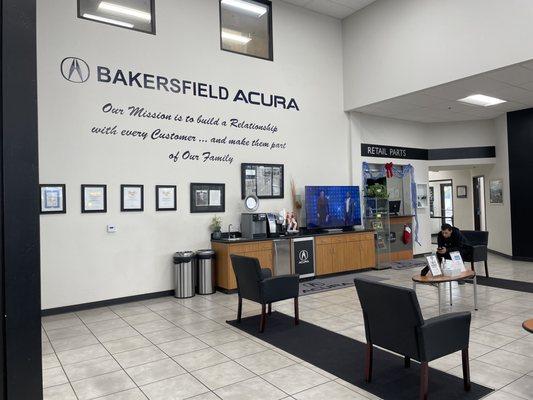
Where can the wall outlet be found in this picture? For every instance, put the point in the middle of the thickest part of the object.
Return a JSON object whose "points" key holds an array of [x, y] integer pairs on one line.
{"points": [[111, 228]]}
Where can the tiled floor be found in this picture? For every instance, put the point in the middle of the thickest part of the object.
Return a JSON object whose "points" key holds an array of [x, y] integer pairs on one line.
{"points": [[183, 349]]}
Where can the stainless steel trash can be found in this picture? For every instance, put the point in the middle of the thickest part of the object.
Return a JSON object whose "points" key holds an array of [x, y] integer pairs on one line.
{"points": [[184, 274], [206, 271]]}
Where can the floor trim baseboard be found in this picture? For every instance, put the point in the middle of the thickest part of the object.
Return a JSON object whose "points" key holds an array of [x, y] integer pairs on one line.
{"points": [[498, 253], [105, 303]]}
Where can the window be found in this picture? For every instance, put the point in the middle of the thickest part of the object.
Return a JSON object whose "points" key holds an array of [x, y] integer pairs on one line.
{"points": [[246, 27], [137, 15]]}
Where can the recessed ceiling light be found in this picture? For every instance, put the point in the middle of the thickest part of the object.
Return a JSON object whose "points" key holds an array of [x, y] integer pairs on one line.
{"points": [[246, 6], [482, 100], [235, 37], [108, 20], [131, 12]]}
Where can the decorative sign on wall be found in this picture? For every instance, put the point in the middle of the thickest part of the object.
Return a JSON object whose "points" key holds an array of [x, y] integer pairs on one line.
{"points": [[378, 150], [53, 199], [266, 181], [496, 191], [208, 197]]}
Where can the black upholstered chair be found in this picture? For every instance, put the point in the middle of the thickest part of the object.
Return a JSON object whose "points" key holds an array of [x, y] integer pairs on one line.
{"points": [[256, 284], [477, 248], [393, 321]]}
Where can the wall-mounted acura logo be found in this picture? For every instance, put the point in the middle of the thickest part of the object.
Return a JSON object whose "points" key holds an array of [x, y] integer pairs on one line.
{"points": [[75, 70], [303, 256]]}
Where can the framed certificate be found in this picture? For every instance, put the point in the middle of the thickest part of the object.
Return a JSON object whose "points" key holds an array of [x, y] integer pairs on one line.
{"points": [[93, 198], [166, 198], [131, 198], [53, 199], [208, 197], [434, 265]]}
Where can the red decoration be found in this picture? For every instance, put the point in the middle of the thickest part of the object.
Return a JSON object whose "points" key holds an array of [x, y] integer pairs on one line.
{"points": [[406, 237], [388, 169]]}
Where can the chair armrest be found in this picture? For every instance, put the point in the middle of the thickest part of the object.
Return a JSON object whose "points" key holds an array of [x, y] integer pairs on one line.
{"points": [[279, 288], [444, 335], [266, 273], [479, 252]]}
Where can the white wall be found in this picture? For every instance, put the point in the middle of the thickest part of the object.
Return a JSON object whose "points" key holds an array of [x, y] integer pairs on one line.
{"points": [[395, 47], [80, 261], [386, 131]]}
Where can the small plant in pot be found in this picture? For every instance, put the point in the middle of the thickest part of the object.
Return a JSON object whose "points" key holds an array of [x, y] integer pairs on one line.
{"points": [[216, 225]]}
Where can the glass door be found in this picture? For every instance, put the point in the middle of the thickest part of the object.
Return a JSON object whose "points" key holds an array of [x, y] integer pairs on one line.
{"points": [[446, 203]]}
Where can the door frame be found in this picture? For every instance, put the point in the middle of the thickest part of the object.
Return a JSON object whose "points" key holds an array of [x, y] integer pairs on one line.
{"points": [[442, 217], [484, 205]]}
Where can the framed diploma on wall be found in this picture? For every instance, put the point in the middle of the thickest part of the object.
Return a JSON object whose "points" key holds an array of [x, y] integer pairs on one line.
{"points": [[93, 198], [131, 198], [53, 199], [166, 198], [266, 181], [208, 197]]}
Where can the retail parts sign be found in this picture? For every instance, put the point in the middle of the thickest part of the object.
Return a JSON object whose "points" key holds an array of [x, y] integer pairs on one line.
{"points": [[76, 70], [377, 150]]}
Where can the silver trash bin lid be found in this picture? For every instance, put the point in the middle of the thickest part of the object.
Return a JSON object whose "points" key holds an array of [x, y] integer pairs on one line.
{"points": [[205, 253], [183, 256]]}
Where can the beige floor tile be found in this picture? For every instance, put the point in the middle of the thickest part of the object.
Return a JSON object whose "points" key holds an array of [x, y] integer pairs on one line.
{"points": [[61, 392], [136, 357], [265, 361], [53, 377], [251, 389], [294, 379], [329, 390], [154, 371], [200, 359], [91, 368], [223, 374], [102, 385], [177, 388]]}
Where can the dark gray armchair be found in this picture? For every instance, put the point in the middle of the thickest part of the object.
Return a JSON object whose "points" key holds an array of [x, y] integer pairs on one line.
{"points": [[477, 248], [256, 284], [393, 321]]}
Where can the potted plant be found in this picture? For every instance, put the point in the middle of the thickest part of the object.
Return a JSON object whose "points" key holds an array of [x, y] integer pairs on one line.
{"points": [[377, 190], [216, 224]]}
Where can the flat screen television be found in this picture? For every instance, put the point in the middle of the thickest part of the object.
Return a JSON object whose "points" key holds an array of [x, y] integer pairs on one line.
{"points": [[330, 207]]}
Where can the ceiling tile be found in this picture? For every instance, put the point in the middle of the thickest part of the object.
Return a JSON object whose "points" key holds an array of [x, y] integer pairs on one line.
{"points": [[299, 3], [448, 92], [515, 75], [330, 8], [354, 4], [481, 83], [421, 99]]}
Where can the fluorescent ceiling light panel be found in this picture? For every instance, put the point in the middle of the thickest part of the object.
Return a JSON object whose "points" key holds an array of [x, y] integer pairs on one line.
{"points": [[108, 20], [482, 100], [246, 6], [234, 37], [130, 12]]}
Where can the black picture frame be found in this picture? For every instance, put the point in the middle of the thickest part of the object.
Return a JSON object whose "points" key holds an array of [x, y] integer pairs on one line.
{"points": [[201, 193], [122, 205], [63, 198], [158, 206], [84, 209], [152, 13], [270, 35], [254, 166], [462, 195]]}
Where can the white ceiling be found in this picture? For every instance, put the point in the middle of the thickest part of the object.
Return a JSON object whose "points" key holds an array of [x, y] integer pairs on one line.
{"points": [[439, 104], [334, 8]]}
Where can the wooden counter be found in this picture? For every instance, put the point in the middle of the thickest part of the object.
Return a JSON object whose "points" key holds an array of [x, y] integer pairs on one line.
{"points": [[334, 253]]}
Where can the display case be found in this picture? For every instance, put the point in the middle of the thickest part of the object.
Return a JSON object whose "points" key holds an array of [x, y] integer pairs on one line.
{"points": [[377, 218]]}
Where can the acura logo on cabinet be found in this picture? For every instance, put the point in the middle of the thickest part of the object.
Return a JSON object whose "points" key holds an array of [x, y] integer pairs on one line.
{"points": [[303, 256], [75, 70]]}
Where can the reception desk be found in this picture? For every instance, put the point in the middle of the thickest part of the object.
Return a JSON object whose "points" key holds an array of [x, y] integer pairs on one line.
{"points": [[398, 249], [333, 253]]}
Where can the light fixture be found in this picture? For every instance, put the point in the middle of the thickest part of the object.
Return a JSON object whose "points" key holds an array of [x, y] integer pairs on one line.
{"points": [[246, 6], [235, 37], [482, 100], [131, 12], [108, 20]]}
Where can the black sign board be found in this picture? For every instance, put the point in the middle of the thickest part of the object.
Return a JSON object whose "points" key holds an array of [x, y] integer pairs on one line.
{"points": [[378, 150], [304, 257]]}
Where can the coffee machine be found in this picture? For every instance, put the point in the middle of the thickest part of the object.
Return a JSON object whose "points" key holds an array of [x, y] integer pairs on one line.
{"points": [[254, 225]]}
